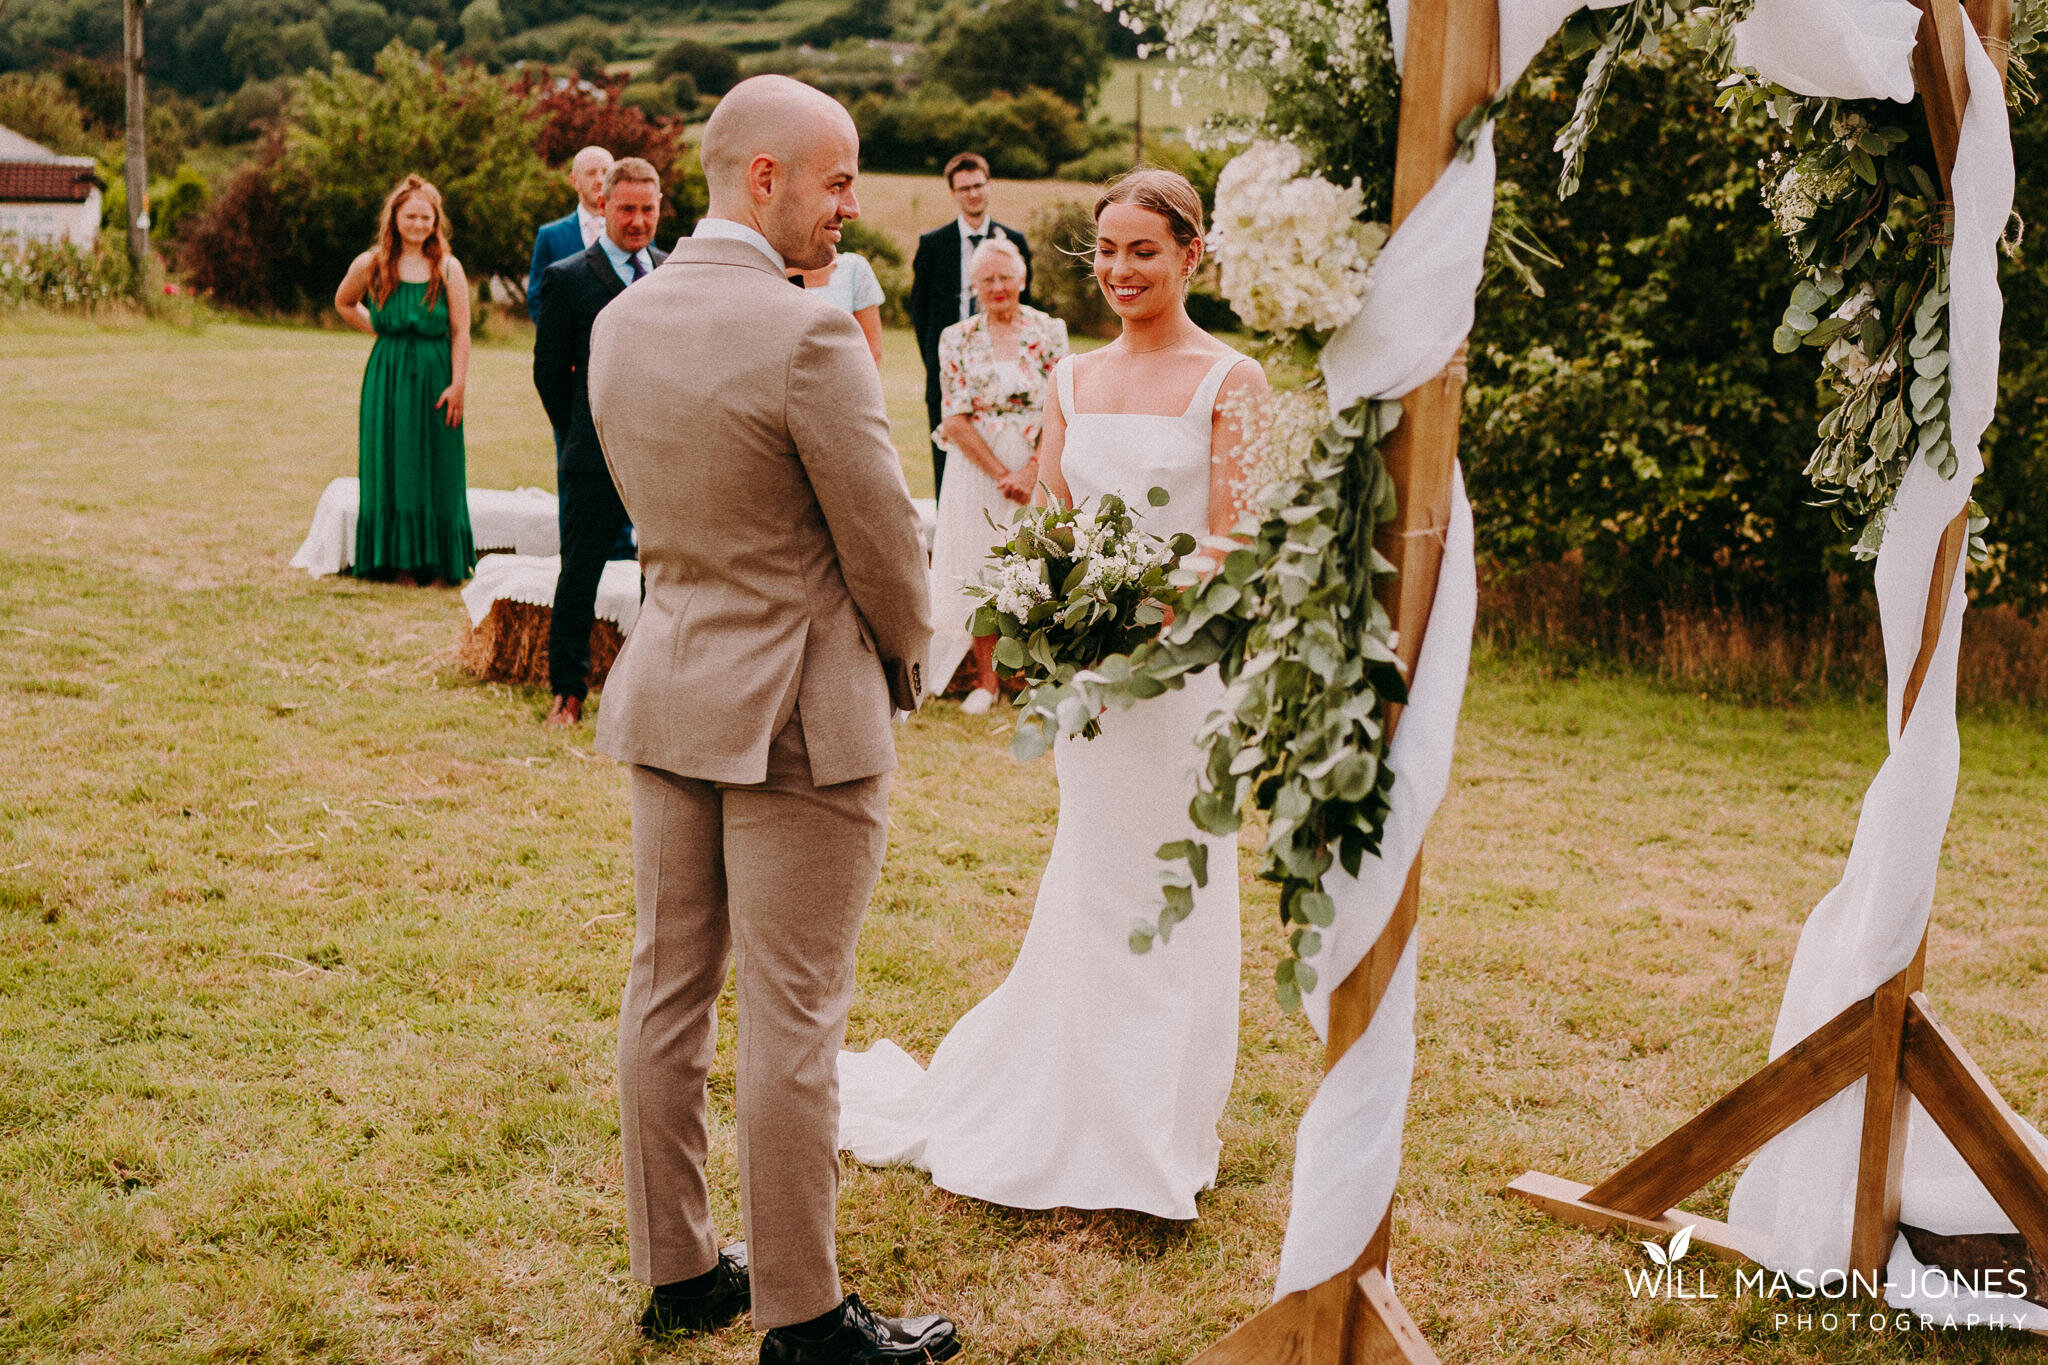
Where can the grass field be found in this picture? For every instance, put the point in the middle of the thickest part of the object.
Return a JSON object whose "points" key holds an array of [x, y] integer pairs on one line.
{"points": [[310, 947]]}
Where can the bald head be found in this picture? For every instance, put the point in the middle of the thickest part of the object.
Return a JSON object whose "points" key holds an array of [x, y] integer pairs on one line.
{"points": [[586, 172], [781, 156]]}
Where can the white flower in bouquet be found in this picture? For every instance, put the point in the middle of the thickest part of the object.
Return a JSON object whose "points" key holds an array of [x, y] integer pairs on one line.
{"points": [[1018, 586], [1294, 255]]}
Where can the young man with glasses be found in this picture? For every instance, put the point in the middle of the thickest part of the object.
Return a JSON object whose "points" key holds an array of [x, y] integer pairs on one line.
{"points": [[939, 296]]}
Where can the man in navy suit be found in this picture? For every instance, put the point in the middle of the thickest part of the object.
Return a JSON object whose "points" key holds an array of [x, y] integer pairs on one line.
{"points": [[572, 233], [592, 516], [939, 296]]}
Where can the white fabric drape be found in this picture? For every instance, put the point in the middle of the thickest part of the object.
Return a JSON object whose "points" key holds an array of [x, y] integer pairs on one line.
{"points": [[1417, 312], [520, 519], [1849, 49], [1800, 1189]]}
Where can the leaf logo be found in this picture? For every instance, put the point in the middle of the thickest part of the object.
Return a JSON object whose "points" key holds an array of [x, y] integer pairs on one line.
{"points": [[1672, 1254]]}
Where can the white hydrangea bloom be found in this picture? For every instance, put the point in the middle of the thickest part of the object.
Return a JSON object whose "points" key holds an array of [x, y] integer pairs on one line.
{"points": [[1293, 252]]}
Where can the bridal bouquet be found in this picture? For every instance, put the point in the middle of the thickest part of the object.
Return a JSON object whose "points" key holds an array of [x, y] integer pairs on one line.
{"points": [[1073, 586]]}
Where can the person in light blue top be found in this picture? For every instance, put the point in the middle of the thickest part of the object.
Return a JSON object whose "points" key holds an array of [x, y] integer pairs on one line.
{"points": [[850, 282]]}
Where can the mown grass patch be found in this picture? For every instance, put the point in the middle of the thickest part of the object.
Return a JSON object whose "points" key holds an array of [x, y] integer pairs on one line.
{"points": [[310, 948]]}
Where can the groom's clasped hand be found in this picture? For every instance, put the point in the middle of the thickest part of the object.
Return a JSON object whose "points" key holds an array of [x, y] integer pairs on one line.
{"points": [[786, 618]]}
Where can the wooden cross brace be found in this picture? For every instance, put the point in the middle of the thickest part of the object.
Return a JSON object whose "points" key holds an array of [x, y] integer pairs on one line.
{"points": [[1892, 1039]]}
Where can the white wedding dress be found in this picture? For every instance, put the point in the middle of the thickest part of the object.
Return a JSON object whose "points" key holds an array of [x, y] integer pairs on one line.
{"points": [[1094, 1077]]}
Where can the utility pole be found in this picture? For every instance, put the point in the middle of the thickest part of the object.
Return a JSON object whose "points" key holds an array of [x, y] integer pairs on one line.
{"points": [[1138, 117], [137, 166]]}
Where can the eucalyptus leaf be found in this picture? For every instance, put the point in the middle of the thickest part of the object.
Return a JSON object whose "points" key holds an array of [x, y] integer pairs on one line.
{"points": [[1317, 908]]}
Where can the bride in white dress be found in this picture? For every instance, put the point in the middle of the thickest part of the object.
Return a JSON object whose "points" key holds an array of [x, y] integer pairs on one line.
{"points": [[1095, 1077]]}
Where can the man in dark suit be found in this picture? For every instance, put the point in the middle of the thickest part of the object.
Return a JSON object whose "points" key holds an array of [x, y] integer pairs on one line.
{"points": [[575, 231], [939, 296], [575, 291]]}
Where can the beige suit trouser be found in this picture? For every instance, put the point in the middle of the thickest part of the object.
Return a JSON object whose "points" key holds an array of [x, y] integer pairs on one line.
{"points": [[776, 875]]}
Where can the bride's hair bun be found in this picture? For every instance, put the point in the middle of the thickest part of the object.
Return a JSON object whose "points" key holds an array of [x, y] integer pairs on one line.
{"points": [[1166, 193]]}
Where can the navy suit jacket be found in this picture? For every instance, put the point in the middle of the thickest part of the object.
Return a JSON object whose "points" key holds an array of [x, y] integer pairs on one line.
{"points": [[577, 291], [557, 241]]}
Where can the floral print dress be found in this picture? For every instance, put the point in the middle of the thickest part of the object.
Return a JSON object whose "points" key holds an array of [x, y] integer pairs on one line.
{"points": [[1005, 397]]}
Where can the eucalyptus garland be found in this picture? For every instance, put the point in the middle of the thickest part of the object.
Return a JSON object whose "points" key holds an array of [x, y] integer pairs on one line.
{"points": [[1290, 622], [1854, 189]]}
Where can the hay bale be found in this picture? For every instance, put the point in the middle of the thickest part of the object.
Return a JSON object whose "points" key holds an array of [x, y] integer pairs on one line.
{"points": [[511, 645], [962, 681]]}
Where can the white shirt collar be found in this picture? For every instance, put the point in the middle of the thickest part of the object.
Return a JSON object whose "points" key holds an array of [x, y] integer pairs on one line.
{"points": [[739, 232], [591, 225], [621, 258], [988, 225]]}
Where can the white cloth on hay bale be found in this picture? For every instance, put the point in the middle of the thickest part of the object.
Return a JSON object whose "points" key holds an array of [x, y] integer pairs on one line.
{"points": [[522, 520], [531, 579]]}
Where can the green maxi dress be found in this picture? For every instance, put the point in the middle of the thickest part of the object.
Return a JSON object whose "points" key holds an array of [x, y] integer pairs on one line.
{"points": [[414, 513]]}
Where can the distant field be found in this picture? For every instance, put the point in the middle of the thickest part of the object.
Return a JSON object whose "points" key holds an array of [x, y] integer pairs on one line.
{"points": [[775, 23], [1199, 95], [903, 206]]}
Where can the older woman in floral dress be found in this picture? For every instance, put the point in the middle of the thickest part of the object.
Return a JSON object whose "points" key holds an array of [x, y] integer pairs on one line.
{"points": [[994, 373]]}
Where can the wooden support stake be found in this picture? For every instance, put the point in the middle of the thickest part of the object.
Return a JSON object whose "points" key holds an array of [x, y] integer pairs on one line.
{"points": [[1881, 1159], [1881, 1156], [1939, 75], [1961, 1100]]}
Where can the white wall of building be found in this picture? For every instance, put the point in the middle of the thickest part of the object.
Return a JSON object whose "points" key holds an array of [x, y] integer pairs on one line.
{"points": [[78, 224]]}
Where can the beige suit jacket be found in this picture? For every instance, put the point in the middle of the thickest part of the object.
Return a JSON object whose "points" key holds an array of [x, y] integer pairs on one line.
{"points": [[743, 422]]}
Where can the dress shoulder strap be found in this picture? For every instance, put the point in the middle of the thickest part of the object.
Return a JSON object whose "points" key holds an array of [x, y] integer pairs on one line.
{"points": [[1204, 404], [1063, 380]]}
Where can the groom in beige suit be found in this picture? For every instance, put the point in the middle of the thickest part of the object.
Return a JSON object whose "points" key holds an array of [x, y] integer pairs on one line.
{"points": [[786, 608]]}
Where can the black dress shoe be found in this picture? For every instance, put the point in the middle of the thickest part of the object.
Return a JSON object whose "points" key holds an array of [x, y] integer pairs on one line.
{"points": [[860, 1336], [672, 1313]]}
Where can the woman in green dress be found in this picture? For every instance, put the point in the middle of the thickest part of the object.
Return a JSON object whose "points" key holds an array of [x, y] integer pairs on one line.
{"points": [[409, 291]]}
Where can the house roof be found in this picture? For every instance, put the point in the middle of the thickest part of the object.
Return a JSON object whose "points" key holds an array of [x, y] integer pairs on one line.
{"points": [[47, 182], [32, 173], [15, 147]]}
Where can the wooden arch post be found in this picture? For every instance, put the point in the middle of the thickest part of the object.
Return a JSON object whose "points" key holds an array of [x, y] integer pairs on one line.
{"points": [[1450, 66], [1891, 1039]]}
